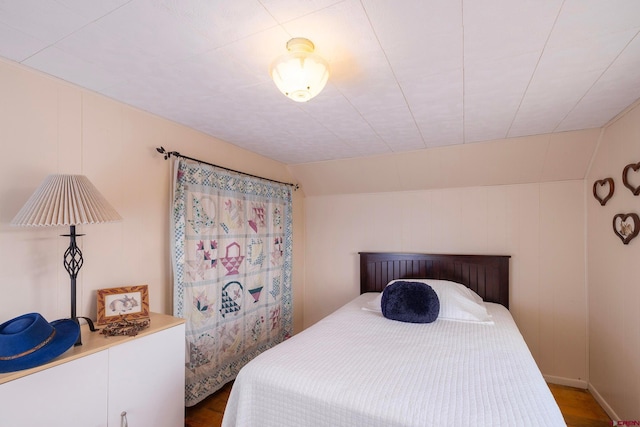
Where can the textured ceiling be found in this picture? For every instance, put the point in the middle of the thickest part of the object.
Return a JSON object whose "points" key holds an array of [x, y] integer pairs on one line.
{"points": [[406, 75]]}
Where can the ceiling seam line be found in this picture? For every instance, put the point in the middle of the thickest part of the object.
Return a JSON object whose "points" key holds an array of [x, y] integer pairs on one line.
{"points": [[395, 78], [281, 23], [72, 33], [596, 80], [364, 119], [524, 94], [300, 16]]}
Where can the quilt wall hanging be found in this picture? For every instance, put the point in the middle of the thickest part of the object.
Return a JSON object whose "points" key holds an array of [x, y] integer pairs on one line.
{"points": [[232, 266]]}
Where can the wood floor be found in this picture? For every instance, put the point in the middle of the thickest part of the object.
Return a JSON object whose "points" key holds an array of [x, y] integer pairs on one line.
{"points": [[208, 413], [578, 407]]}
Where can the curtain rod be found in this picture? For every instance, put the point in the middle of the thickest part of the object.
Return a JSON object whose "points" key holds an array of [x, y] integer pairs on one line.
{"points": [[168, 154]]}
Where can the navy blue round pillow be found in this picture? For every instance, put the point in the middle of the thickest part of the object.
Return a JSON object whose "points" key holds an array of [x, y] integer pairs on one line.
{"points": [[411, 302]]}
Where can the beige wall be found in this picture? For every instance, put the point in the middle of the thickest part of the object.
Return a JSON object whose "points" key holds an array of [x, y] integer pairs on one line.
{"points": [[450, 200], [523, 197], [614, 276], [541, 158], [48, 126], [540, 225]]}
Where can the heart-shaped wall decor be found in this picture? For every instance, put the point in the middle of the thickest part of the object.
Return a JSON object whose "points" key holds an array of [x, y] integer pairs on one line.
{"points": [[602, 183], [625, 178], [626, 226]]}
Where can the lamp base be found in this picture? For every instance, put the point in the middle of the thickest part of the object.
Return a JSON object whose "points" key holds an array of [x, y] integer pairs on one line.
{"points": [[72, 263], [92, 328]]}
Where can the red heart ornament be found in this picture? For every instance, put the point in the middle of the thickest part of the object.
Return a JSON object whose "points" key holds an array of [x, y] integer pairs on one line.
{"points": [[624, 229], [601, 183], [625, 178]]}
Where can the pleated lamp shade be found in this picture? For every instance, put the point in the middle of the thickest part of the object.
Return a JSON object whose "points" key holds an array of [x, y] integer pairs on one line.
{"points": [[66, 200]]}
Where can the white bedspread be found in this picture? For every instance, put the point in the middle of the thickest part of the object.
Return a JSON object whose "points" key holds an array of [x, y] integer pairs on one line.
{"points": [[356, 368]]}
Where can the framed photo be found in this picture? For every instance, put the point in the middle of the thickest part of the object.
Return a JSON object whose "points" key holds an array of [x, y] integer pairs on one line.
{"points": [[128, 302]]}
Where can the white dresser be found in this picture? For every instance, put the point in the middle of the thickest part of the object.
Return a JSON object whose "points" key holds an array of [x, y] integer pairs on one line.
{"points": [[104, 381]]}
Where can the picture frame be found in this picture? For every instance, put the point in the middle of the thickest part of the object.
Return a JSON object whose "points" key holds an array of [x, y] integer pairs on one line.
{"points": [[122, 303]]}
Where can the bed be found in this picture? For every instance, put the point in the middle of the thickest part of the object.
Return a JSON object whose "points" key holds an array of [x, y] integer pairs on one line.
{"points": [[357, 367]]}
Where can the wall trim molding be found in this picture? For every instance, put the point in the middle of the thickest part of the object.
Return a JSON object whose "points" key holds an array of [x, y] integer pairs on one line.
{"points": [[612, 414], [570, 382]]}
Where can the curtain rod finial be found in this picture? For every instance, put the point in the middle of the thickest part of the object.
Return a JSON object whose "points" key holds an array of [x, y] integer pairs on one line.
{"points": [[161, 150], [166, 153]]}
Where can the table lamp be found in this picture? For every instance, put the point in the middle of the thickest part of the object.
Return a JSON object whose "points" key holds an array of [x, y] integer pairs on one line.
{"points": [[67, 200]]}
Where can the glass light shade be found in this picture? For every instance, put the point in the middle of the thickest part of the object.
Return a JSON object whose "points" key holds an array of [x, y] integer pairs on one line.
{"points": [[300, 74], [65, 200]]}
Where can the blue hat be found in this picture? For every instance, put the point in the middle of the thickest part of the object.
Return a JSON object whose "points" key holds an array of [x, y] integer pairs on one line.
{"points": [[29, 341]]}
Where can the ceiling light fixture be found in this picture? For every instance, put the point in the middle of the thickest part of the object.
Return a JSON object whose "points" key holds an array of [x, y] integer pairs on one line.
{"points": [[300, 74]]}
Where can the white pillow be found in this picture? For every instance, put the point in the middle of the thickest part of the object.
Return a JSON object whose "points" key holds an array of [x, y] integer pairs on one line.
{"points": [[457, 302]]}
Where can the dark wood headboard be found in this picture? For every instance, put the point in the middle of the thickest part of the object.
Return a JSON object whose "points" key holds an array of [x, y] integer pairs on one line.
{"points": [[487, 275]]}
